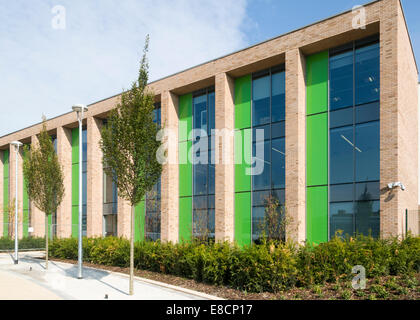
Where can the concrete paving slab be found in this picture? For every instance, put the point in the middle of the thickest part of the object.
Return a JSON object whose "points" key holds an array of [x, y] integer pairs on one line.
{"points": [[30, 280]]}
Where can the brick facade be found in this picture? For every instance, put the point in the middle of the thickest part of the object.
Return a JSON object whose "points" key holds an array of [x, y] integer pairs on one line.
{"points": [[398, 126]]}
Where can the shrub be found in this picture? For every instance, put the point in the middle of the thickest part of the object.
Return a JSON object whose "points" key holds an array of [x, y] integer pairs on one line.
{"points": [[24, 243], [269, 266]]}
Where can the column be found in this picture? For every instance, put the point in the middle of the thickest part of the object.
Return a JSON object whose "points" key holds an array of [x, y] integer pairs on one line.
{"points": [[224, 149], [123, 219], [64, 154], [170, 170], [295, 146], [38, 217], [94, 178], [12, 189], [398, 121]]}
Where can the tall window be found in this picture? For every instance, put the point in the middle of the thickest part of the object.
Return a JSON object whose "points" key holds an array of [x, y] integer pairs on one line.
{"points": [[110, 205], [268, 143], [354, 138], [153, 214], [203, 166]]}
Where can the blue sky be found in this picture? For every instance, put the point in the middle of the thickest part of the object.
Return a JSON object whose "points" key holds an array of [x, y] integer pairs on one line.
{"points": [[45, 70]]}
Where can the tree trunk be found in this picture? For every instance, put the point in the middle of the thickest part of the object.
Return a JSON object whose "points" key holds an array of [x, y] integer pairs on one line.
{"points": [[132, 251], [46, 241]]}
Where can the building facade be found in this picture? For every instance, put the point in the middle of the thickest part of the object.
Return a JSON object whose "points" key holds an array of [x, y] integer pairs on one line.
{"points": [[319, 120]]}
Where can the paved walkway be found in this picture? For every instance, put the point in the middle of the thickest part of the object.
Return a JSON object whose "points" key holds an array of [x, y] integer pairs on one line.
{"points": [[30, 280]]}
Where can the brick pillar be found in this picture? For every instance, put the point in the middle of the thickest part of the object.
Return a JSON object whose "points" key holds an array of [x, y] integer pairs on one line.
{"points": [[37, 216], [94, 178], [224, 184], [123, 218], [295, 146], [170, 170], [12, 183], [64, 156], [398, 120], [1, 194]]}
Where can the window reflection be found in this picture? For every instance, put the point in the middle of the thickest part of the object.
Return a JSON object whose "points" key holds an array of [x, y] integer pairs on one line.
{"points": [[354, 139], [268, 150]]}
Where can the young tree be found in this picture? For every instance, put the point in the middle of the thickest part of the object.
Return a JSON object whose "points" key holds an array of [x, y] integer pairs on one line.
{"points": [[129, 146], [44, 178]]}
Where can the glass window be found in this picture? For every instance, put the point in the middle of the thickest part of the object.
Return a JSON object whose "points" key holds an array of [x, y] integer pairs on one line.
{"points": [[367, 74], [342, 192], [268, 114], [341, 80], [261, 167], [367, 191], [278, 158], [367, 151], [200, 112], [367, 218], [341, 118], [341, 218], [261, 101], [367, 112], [354, 138], [278, 96], [341, 155], [203, 167]]}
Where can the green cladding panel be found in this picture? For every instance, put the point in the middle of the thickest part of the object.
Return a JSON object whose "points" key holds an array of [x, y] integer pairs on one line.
{"points": [[317, 149], [243, 218], [185, 116], [185, 219], [185, 169], [75, 182], [243, 152], [5, 192], [243, 102], [317, 214], [317, 82], [139, 219]]}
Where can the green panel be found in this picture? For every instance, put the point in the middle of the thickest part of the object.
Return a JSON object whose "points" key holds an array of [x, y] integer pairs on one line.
{"points": [[185, 116], [317, 82], [185, 169], [243, 218], [317, 214], [74, 221], [75, 182], [49, 226], [5, 192], [185, 219], [139, 217], [317, 150], [75, 145], [243, 152], [243, 102]]}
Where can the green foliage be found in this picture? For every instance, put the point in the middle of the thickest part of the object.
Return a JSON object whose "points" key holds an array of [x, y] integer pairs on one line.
{"points": [[43, 174], [24, 243], [268, 267], [129, 143]]}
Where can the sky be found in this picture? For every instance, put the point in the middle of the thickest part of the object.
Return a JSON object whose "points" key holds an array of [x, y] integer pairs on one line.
{"points": [[50, 61]]}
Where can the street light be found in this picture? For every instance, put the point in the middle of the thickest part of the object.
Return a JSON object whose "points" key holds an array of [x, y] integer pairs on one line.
{"points": [[80, 109], [16, 144]]}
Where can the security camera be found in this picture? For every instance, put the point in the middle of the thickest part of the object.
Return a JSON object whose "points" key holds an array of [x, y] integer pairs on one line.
{"points": [[395, 185]]}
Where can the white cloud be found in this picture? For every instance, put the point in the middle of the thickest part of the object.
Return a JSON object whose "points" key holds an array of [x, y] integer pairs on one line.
{"points": [[45, 71]]}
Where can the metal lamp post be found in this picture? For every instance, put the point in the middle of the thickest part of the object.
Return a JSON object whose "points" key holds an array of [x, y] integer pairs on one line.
{"points": [[16, 144], [80, 109]]}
